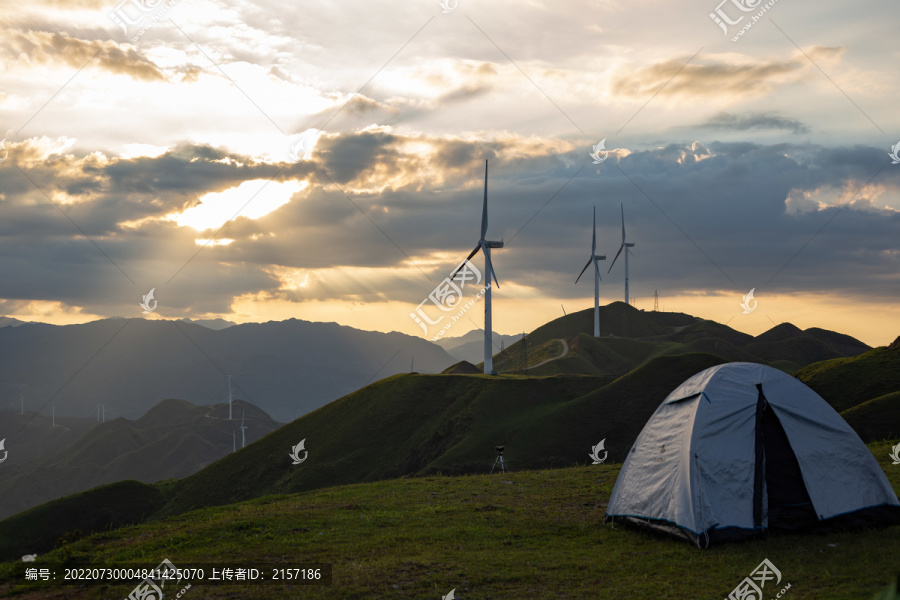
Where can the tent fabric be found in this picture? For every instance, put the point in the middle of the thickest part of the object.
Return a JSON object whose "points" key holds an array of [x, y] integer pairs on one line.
{"points": [[740, 448]]}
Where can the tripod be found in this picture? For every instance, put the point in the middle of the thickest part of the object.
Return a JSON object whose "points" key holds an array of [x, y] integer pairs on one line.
{"points": [[499, 460]]}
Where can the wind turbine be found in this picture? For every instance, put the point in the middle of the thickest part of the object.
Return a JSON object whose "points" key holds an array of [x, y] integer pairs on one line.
{"points": [[243, 430], [594, 259], [485, 246], [229, 397], [625, 246]]}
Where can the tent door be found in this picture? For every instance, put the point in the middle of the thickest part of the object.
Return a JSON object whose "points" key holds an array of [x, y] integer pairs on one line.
{"points": [[788, 501]]}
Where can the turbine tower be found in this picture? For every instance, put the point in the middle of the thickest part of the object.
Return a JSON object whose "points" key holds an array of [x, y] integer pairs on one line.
{"points": [[625, 246], [243, 430], [594, 259], [229, 397], [485, 246]]}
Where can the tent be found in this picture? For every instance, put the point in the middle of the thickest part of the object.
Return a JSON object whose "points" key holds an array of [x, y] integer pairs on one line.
{"points": [[741, 448]]}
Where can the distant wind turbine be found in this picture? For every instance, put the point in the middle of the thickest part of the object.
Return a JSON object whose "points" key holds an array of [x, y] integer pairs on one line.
{"points": [[485, 246], [229, 397], [594, 259], [625, 246], [243, 430]]}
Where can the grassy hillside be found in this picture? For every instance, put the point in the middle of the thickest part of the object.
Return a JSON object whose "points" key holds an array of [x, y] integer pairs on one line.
{"points": [[536, 535], [876, 419], [416, 424], [630, 337], [394, 427], [422, 424], [106, 507], [848, 382]]}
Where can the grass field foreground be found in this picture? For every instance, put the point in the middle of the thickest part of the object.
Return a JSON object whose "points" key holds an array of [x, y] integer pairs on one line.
{"points": [[530, 534]]}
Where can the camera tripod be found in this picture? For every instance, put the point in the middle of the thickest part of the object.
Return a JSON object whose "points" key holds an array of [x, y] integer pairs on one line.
{"points": [[499, 460]]}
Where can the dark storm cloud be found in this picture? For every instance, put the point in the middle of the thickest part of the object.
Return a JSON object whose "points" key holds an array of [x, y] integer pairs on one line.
{"points": [[728, 199], [745, 122]]}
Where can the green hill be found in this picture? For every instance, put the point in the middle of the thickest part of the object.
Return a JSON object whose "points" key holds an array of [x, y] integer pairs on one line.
{"points": [[422, 424], [630, 337], [534, 534], [848, 382], [106, 507], [876, 419], [584, 390], [419, 424]]}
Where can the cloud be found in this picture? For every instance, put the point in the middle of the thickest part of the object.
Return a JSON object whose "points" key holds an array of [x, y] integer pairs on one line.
{"points": [[724, 121], [45, 47], [387, 197], [715, 79]]}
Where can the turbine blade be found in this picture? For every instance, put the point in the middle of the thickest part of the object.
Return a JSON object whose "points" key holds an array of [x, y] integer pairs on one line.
{"points": [[594, 238], [490, 266], [617, 256], [484, 216], [469, 257], [622, 206], [597, 271], [590, 260]]}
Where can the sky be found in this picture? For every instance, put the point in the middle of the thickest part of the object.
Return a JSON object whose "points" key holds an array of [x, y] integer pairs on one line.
{"points": [[257, 161]]}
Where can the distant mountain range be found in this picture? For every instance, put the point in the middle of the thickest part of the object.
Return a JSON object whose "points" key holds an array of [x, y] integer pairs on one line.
{"points": [[470, 347], [173, 440], [286, 368], [211, 323]]}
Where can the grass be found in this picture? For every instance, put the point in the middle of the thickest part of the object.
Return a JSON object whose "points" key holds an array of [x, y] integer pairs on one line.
{"points": [[530, 534], [876, 419], [847, 382], [122, 502]]}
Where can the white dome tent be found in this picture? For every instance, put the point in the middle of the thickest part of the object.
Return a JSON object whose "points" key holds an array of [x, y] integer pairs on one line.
{"points": [[741, 448]]}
